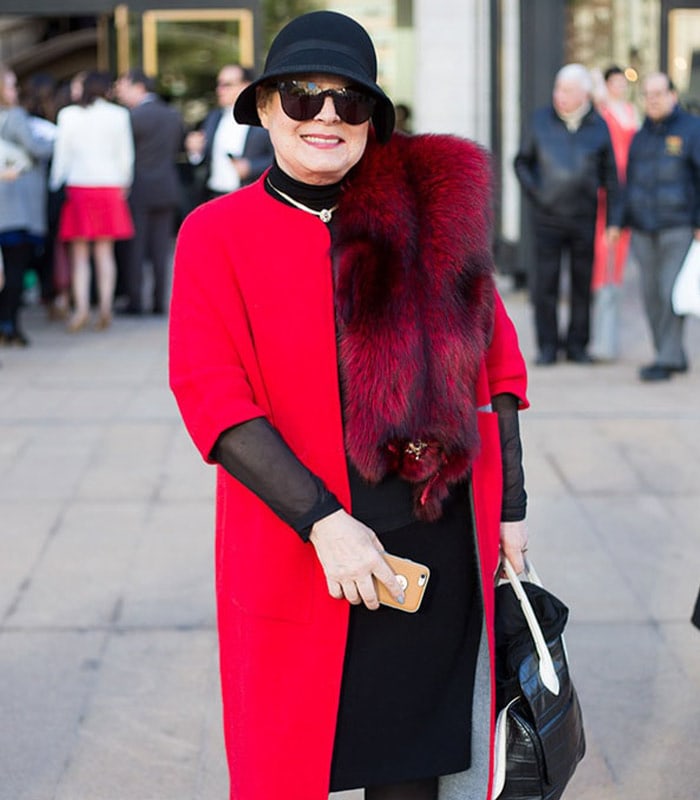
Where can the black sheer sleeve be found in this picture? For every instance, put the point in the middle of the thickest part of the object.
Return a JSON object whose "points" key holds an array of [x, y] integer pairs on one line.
{"points": [[514, 505], [256, 454]]}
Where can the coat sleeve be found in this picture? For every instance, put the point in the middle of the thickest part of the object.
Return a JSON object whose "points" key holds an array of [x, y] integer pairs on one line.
{"points": [[609, 181], [212, 360], [21, 132], [125, 156], [59, 162], [505, 365], [694, 163], [525, 163]]}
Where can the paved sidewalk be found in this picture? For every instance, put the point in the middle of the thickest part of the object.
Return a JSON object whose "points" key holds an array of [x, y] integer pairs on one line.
{"points": [[108, 661]]}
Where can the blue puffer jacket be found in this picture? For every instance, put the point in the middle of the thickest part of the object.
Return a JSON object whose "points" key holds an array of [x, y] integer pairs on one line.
{"points": [[663, 174]]}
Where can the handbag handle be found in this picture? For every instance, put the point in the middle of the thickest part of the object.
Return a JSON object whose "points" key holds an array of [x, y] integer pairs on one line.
{"points": [[548, 674]]}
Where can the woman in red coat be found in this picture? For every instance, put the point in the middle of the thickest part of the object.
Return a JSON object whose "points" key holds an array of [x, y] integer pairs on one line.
{"points": [[338, 349]]}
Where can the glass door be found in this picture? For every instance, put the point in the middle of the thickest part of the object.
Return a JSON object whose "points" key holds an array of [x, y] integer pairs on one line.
{"points": [[684, 55]]}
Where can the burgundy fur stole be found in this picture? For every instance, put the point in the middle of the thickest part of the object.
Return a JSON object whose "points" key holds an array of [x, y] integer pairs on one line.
{"points": [[414, 303]]}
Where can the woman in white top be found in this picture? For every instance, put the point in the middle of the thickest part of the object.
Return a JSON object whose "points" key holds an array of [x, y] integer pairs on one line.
{"points": [[94, 160]]}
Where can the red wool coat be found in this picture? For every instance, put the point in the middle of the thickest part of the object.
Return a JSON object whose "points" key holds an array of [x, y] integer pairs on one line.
{"points": [[253, 334]]}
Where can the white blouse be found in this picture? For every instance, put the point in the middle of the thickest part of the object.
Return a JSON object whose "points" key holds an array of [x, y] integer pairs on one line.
{"points": [[94, 146]]}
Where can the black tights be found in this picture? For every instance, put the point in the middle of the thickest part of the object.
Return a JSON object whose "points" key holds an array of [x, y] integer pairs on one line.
{"points": [[17, 258], [411, 790]]}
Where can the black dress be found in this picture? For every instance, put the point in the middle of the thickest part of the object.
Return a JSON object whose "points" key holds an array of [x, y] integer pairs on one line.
{"points": [[405, 704], [408, 679]]}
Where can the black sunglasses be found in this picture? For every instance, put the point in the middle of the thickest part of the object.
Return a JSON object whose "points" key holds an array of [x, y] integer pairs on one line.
{"points": [[302, 100]]}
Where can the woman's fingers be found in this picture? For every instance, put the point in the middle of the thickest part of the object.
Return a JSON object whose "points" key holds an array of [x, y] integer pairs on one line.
{"points": [[364, 589], [352, 558], [514, 538], [516, 559], [386, 575], [351, 592], [335, 589]]}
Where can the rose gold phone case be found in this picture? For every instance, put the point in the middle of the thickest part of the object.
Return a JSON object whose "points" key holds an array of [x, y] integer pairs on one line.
{"points": [[413, 575]]}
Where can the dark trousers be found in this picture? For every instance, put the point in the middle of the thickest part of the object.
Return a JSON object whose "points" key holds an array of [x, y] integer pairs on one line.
{"points": [[555, 238], [153, 233], [17, 259]]}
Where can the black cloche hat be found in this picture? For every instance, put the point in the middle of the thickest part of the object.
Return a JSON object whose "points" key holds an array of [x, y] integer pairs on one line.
{"points": [[322, 42]]}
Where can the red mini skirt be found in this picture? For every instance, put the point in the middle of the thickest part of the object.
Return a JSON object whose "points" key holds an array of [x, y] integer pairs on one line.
{"points": [[95, 212]]}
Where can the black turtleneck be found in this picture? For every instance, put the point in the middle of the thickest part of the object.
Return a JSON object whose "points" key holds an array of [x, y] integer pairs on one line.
{"points": [[314, 196]]}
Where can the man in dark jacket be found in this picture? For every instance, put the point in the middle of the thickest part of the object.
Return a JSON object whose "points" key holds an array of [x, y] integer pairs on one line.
{"points": [[663, 209], [231, 155], [155, 193], [565, 157]]}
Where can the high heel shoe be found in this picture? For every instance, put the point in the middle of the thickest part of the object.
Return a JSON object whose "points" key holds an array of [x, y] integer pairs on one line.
{"points": [[103, 321], [77, 322]]}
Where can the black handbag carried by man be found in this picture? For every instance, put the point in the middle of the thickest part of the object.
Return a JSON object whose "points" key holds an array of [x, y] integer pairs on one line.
{"points": [[539, 732]]}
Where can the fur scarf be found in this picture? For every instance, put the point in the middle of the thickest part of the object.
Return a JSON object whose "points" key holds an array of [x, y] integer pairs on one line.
{"points": [[414, 305]]}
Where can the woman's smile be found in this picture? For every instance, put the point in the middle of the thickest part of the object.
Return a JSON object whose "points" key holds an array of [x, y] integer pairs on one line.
{"points": [[315, 151]]}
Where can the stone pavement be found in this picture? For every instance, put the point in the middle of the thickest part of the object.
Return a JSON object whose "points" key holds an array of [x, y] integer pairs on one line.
{"points": [[109, 686]]}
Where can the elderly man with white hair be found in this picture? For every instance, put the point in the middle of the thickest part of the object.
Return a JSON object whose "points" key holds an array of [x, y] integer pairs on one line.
{"points": [[565, 157]]}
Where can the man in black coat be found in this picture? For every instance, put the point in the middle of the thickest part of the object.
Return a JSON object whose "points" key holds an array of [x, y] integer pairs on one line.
{"points": [[232, 155], [663, 209], [565, 157], [155, 193]]}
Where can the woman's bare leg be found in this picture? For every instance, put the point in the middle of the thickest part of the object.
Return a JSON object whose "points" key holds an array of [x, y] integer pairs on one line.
{"points": [[80, 283], [106, 272]]}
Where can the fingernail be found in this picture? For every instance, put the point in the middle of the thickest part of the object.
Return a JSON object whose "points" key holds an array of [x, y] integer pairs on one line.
{"points": [[401, 599]]}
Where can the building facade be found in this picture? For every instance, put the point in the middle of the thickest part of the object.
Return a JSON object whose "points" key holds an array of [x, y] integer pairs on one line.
{"points": [[475, 68]]}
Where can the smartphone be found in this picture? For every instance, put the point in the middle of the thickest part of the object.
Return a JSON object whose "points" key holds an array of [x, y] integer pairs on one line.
{"points": [[413, 577]]}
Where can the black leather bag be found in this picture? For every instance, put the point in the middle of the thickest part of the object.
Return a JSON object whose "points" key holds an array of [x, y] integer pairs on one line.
{"points": [[539, 737]]}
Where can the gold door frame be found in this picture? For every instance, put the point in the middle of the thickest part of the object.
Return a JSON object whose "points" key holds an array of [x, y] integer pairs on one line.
{"points": [[121, 25], [679, 20], [151, 19]]}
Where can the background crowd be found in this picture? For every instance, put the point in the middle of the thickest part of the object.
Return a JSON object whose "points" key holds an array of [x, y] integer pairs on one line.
{"points": [[96, 175], [107, 170], [590, 171]]}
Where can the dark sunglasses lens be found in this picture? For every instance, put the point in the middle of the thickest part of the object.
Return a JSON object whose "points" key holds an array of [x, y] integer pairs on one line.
{"points": [[301, 104], [353, 107], [298, 103]]}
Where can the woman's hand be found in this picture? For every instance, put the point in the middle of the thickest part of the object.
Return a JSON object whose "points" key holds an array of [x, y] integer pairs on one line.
{"points": [[514, 543], [350, 554], [612, 235]]}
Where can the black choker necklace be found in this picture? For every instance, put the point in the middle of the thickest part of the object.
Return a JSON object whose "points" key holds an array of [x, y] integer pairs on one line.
{"points": [[325, 214]]}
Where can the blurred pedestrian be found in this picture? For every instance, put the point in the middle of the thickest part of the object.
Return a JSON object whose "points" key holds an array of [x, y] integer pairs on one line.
{"points": [[38, 97], [663, 210], [403, 118], [622, 119], [94, 159], [232, 155], [155, 193], [22, 205], [566, 155], [61, 268]]}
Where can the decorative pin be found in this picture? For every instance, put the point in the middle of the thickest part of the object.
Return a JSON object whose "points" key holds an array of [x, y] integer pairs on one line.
{"points": [[416, 449]]}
